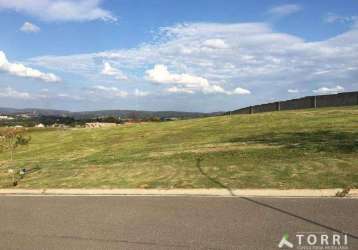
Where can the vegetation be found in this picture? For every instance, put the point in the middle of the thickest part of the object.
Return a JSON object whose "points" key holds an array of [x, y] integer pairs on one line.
{"points": [[11, 138], [290, 149], [56, 121], [28, 117]]}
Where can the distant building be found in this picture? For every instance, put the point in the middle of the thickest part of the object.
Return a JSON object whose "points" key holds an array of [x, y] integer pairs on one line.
{"points": [[5, 117], [40, 125], [100, 124], [25, 116]]}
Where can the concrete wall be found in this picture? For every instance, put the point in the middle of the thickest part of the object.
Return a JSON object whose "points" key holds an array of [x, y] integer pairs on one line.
{"points": [[242, 111], [300, 103], [341, 99], [265, 107]]}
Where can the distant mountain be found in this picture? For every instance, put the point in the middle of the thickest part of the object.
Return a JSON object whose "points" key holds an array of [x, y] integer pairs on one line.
{"points": [[34, 112], [124, 114], [7, 110]]}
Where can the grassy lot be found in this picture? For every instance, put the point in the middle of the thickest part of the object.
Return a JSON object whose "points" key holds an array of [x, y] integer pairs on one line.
{"points": [[294, 149]]}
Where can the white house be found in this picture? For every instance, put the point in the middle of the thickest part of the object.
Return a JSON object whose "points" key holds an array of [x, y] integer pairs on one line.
{"points": [[40, 125], [5, 117]]}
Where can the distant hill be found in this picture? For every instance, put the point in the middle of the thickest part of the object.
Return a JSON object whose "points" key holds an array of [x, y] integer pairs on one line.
{"points": [[34, 112], [136, 114], [124, 114]]}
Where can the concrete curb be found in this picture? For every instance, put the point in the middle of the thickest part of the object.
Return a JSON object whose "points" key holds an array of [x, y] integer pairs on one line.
{"points": [[181, 192], [353, 193]]}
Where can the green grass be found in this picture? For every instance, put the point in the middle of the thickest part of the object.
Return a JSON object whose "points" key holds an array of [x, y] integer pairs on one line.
{"points": [[294, 149]]}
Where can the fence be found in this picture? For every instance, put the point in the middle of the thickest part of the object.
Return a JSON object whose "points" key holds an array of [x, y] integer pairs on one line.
{"points": [[336, 100]]}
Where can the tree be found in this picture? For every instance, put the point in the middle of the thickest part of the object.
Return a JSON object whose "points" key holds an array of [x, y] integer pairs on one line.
{"points": [[12, 138]]}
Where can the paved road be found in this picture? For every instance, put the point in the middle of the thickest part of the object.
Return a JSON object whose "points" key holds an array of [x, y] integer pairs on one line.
{"points": [[169, 222]]}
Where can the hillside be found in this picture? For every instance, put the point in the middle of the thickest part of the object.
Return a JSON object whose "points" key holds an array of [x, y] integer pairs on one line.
{"points": [[289, 149], [124, 114], [34, 111]]}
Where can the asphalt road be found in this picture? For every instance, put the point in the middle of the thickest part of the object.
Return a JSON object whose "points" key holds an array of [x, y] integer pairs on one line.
{"points": [[169, 222]]}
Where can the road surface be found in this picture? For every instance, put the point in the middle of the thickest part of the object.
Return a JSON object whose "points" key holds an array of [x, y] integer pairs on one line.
{"points": [[116, 222]]}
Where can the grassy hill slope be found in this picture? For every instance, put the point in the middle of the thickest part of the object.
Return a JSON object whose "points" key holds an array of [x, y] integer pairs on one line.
{"points": [[291, 149]]}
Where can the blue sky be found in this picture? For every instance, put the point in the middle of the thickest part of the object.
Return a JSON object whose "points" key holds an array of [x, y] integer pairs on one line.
{"points": [[203, 55]]}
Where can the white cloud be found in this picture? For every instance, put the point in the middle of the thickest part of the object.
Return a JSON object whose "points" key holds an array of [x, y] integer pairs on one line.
{"points": [[110, 91], [69, 97], [326, 90], [28, 27], [175, 89], [215, 44], [293, 91], [241, 91], [12, 93], [110, 71], [60, 10], [21, 70], [160, 74], [285, 9], [186, 83], [140, 93], [42, 94], [212, 89], [258, 58], [334, 18]]}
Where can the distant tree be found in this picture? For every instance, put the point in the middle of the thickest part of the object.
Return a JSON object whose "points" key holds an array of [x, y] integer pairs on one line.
{"points": [[11, 139], [50, 120], [133, 116], [110, 119], [155, 119]]}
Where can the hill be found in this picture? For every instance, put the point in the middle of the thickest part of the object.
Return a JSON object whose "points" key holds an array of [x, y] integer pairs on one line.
{"points": [[34, 112], [125, 114], [314, 148]]}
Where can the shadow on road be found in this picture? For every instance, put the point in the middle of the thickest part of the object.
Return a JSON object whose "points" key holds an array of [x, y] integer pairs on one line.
{"points": [[260, 203]]}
